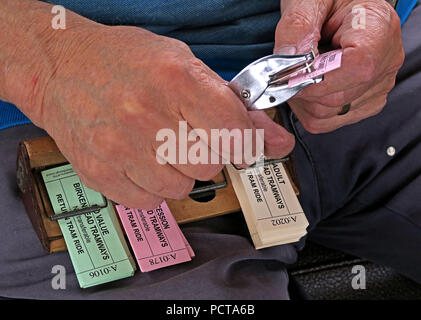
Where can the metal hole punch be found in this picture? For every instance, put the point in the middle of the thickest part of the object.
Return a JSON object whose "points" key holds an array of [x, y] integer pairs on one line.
{"points": [[263, 84]]}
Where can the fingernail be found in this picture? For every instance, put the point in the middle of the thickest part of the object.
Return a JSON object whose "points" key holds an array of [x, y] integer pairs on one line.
{"points": [[289, 50]]}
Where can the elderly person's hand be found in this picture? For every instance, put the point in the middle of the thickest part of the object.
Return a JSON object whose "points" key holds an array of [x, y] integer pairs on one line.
{"points": [[104, 92], [372, 55]]}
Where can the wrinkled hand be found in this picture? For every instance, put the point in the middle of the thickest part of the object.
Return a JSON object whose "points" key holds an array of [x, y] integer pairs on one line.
{"points": [[371, 58], [113, 91]]}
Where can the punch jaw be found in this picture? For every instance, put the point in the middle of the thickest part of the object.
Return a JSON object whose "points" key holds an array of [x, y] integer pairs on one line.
{"points": [[275, 95], [264, 83]]}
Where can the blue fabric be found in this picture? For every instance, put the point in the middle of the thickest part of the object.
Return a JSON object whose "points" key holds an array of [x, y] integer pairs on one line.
{"points": [[404, 8], [11, 116], [226, 34]]}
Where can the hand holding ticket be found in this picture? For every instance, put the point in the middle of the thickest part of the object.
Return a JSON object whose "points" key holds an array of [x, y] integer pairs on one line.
{"points": [[370, 59], [324, 63]]}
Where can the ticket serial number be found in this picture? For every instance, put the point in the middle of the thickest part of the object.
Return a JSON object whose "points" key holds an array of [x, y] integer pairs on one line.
{"points": [[103, 271], [280, 221]]}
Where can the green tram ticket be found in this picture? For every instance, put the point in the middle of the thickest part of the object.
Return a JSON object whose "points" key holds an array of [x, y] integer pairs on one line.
{"points": [[95, 241]]}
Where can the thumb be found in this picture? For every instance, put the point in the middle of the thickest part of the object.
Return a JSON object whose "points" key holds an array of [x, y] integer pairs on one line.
{"points": [[278, 141], [300, 25]]}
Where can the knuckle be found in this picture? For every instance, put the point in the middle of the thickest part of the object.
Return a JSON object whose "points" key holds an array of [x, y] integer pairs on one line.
{"points": [[312, 126], [375, 111], [390, 85], [86, 168], [180, 68], [179, 45], [320, 112], [87, 182], [387, 86], [381, 105], [151, 204], [394, 19], [377, 107], [146, 201], [162, 189], [112, 193], [334, 100], [183, 189], [327, 102], [299, 19], [173, 64], [174, 188], [368, 69], [400, 59], [340, 100], [384, 12], [198, 70], [95, 176]]}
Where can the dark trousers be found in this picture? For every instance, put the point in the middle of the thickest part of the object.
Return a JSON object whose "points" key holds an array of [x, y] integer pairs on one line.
{"points": [[362, 200]]}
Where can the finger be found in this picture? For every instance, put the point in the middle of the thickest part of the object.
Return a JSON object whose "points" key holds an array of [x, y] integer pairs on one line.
{"points": [[356, 71], [166, 137], [187, 151], [381, 89], [368, 52], [118, 188], [211, 105], [383, 84], [278, 141], [170, 183], [313, 109], [313, 125], [300, 25]]}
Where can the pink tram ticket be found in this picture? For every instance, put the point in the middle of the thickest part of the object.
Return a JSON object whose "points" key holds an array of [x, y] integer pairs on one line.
{"points": [[324, 63], [155, 237]]}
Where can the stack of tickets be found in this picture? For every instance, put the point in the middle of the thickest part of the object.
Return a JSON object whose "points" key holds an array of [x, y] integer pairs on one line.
{"points": [[95, 241], [155, 237], [270, 206]]}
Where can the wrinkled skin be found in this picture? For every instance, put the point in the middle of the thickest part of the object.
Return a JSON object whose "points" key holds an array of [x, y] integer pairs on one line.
{"points": [[109, 97], [104, 92], [371, 59]]}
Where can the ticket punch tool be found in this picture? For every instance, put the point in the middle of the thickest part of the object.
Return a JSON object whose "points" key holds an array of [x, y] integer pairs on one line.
{"points": [[263, 84]]}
